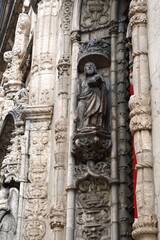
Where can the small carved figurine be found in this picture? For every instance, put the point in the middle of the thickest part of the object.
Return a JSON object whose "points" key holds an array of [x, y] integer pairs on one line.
{"points": [[8, 212], [92, 102]]}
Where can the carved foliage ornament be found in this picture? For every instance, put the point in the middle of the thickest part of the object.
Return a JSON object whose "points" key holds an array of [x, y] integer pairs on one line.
{"points": [[94, 13]]}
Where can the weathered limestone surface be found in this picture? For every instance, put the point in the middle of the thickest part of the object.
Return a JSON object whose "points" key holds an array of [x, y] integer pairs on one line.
{"points": [[154, 66], [65, 159]]}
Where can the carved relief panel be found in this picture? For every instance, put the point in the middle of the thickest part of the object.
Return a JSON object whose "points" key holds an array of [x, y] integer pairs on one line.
{"points": [[95, 13], [93, 209]]}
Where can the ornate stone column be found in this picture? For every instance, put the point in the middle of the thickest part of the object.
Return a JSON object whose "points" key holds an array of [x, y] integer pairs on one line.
{"points": [[12, 80], [58, 210], [145, 226], [38, 116]]}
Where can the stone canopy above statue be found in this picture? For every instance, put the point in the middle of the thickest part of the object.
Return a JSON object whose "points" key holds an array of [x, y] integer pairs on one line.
{"points": [[96, 51]]}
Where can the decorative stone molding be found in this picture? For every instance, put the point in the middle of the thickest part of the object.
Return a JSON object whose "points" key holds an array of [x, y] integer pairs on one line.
{"points": [[57, 216], [67, 9], [34, 229], [140, 112], [100, 169], [137, 12], [38, 112], [64, 66], [96, 51], [93, 209], [60, 130], [94, 14], [92, 146], [42, 63], [146, 226], [75, 36]]}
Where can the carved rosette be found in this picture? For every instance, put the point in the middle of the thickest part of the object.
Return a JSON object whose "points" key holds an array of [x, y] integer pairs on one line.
{"points": [[137, 12], [140, 112]]}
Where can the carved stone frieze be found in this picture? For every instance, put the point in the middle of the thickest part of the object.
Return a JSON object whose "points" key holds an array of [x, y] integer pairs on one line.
{"points": [[35, 208], [37, 173], [57, 216], [93, 209], [42, 63], [140, 112], [92, 146], [96, 51], [95, 13], [37, 189], [67, 10], [100, 169], [39, 142]]}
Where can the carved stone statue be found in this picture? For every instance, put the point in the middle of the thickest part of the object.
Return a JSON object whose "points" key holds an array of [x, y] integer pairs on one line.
{"points": [[8, 212], [92, 101]]}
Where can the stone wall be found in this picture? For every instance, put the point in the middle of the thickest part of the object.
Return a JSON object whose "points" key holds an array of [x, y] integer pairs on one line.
{"points": [[154, 66]]}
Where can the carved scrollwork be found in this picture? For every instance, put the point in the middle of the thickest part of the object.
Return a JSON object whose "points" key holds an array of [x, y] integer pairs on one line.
{"points": [[93, 209], [100, 169], [92, 146], [94, 13]]}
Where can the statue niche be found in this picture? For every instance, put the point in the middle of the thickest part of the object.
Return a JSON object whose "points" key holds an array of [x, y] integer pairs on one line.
{"points": [[92, 101], [8, 212]]}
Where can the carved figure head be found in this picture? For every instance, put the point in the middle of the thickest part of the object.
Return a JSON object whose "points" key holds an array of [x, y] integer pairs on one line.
{"points": [[90, 68]]}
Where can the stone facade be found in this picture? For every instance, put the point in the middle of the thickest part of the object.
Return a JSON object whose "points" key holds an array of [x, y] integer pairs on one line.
{"points": [[68, 124]]}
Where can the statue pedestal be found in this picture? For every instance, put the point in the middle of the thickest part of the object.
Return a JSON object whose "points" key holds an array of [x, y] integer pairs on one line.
{"points": [[92, 144]]}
